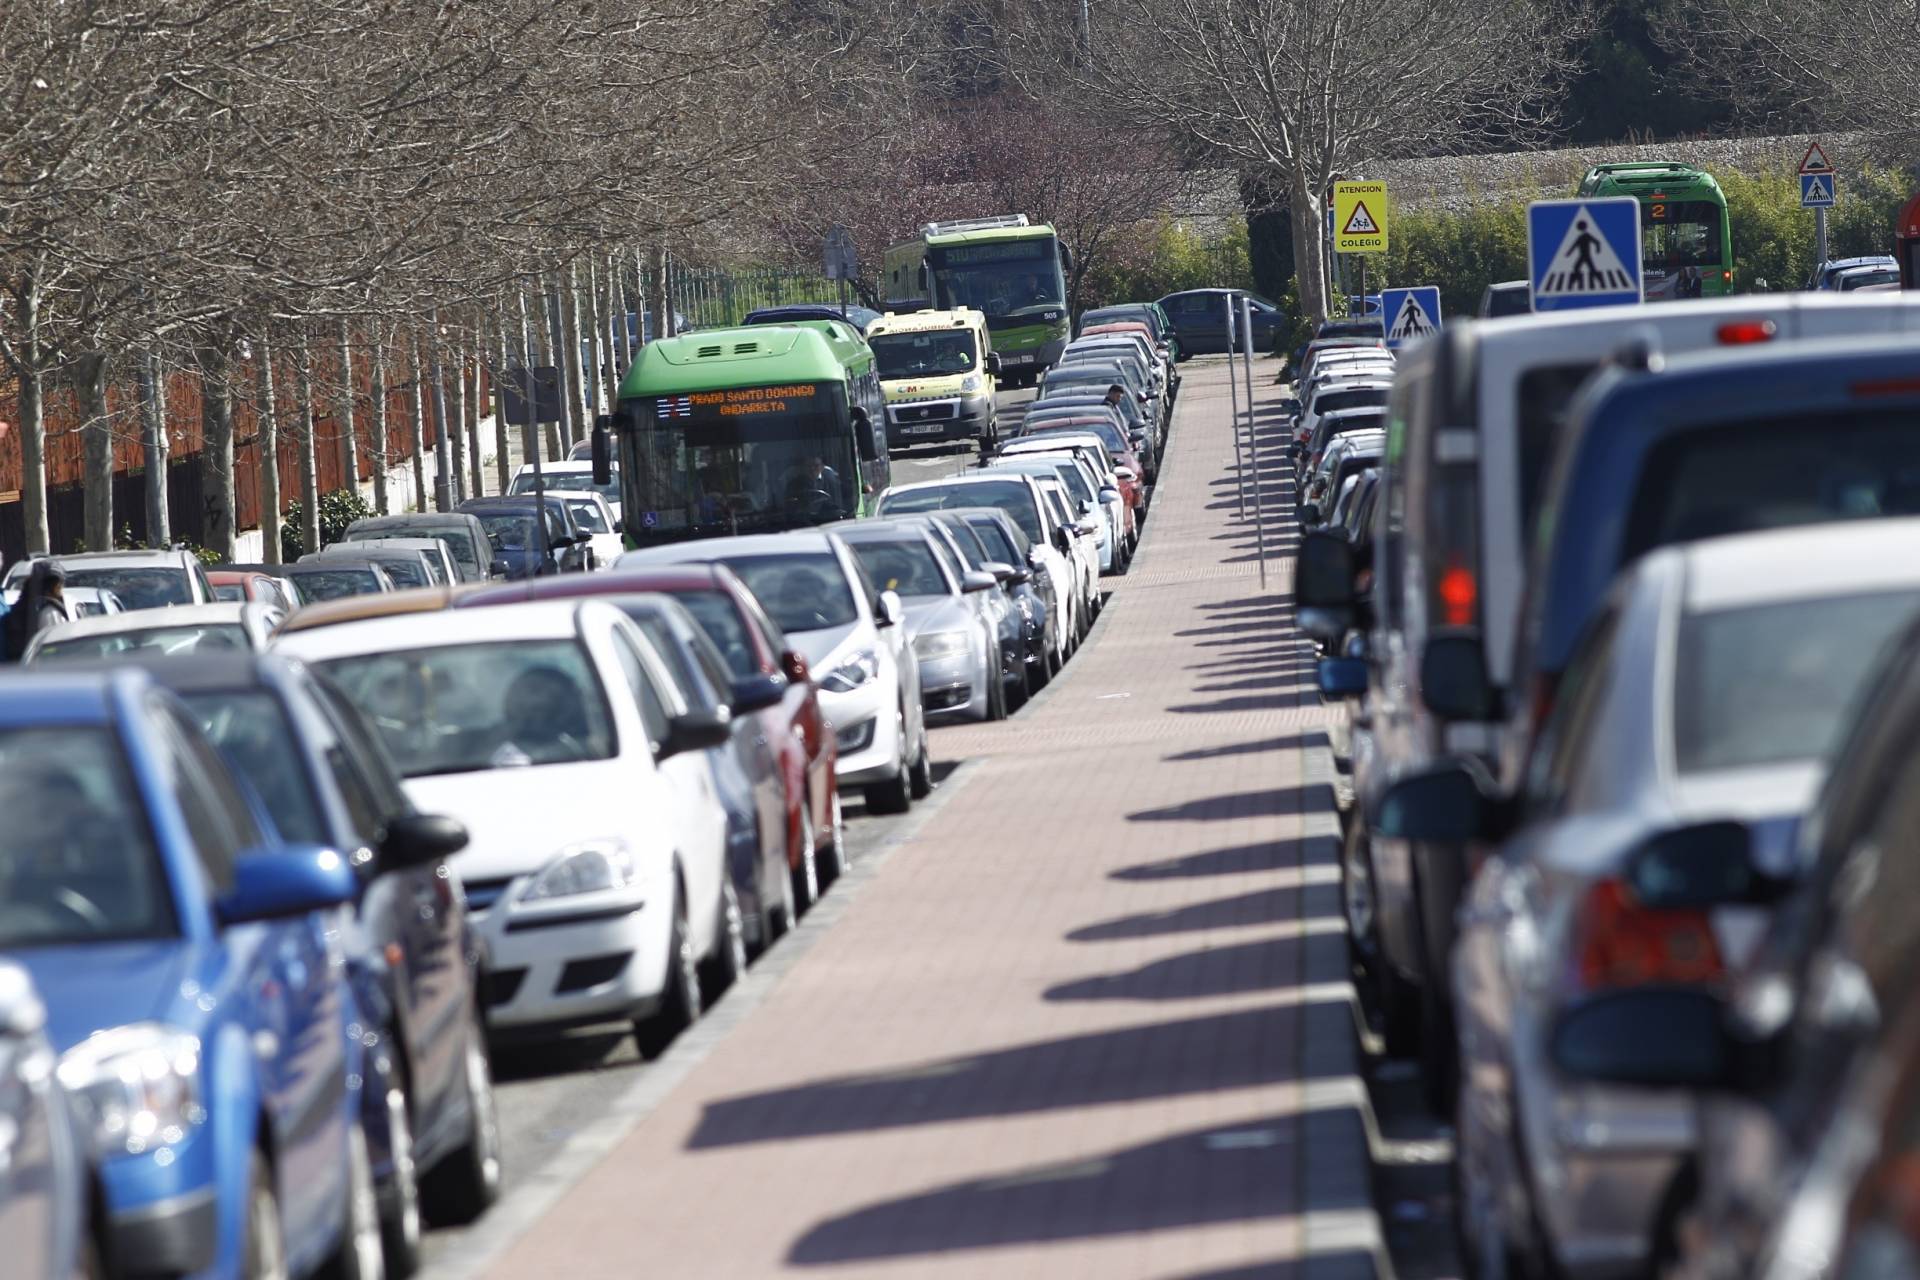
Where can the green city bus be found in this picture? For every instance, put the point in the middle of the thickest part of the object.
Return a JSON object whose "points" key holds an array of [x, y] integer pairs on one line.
{"points": [[1686, 245], [1013, 271], [747, 430]]}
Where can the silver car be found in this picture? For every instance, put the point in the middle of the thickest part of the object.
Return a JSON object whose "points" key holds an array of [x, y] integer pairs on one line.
{"points": [[199, 628], [43, 1193], [1706, 691]]}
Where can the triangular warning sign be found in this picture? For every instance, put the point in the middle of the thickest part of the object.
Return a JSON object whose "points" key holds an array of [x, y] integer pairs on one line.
{"points": [[1584, 263], [1412, 322], [1360, 222], [1815, 161]]}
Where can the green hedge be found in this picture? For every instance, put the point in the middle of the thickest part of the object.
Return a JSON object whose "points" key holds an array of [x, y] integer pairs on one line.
{"points": [[1463, 252]]}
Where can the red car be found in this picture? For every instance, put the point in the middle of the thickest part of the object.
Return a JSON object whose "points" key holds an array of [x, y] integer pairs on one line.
{"points": [[793, 728]]}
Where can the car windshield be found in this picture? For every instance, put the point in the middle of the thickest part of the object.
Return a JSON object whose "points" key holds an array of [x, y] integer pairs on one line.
{"points": [[407, 570], [1109, 434], [251, 727], [805, 591], [569, 481], [906, 566], [1010, 496], [587, 516], [172, 642], [994, 537], [334, 584], [1360, 398], [1852, 280], [460, 544], [919, 355], [1768, 684], [231, 592], [470, 707], [1076, 483], [78, 864], [137, 588], [510, 530], [721, 620]]}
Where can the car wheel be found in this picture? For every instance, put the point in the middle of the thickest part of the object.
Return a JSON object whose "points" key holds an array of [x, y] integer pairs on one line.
{"points": [[839, 857], [895, 795], [729, 958], [920, 775], [806, 876], [777, 917], [680, 1003], [1022, 686], [464, 1184], [400, 1224], [996, 692], [263, 1250], [360, 1255], [1382, 991]]}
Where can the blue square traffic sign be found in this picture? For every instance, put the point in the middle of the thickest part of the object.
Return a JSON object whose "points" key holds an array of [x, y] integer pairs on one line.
{"points": [[1817, 191], [1583, 253], [1409, 313]]}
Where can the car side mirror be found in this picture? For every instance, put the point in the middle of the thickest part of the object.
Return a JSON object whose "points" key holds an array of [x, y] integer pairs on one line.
{"points": [[977, 580], [1125, 473], [1342, 678], [619, 526], [1087, 528], [499, 568], [1653, 1037], [794, 665], [1109, 494], [888, 611], [274, 883], [1453, 676], [1310, 514], [603, 449], [1062, 540], [696, 731], [757, 693], [993, 362], [1325, 572], [1449, 803], [1707, 864], [420, 839]]}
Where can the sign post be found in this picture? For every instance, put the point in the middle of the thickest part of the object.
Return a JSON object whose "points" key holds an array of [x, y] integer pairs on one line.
{"points": [[1409, 314], [1819, 190], [1253, 444], [1584, 253], [1233, 390]]}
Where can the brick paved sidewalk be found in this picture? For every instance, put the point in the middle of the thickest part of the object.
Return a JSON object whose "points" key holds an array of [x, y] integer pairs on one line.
{"points": [[1090, 1020]]}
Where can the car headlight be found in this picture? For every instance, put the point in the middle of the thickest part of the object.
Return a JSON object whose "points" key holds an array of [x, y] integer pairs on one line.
{"points": [[590, 867], [940, 644], [970, 383], [854, 672], [135, 1087]]}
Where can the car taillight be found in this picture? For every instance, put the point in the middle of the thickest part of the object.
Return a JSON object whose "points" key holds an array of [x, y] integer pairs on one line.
{"points": [[1619, 943], [1459, 594], [1741, 332]]}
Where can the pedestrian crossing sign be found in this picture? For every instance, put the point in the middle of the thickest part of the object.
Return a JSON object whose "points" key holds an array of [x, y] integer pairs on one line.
{"points": [[1360, 217], [1409, 314], [1817, 191], [1583, 253]]}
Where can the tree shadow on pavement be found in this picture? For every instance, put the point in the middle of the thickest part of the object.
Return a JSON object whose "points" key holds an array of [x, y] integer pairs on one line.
{"points": [[1269, 964], [1238, 749], [1261, 907], [1265, 803], [1157, 1060], [1267, 702], [1240, 859]]}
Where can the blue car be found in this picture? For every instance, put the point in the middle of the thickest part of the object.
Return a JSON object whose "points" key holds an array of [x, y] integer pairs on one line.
{"points": [[195, 984]]}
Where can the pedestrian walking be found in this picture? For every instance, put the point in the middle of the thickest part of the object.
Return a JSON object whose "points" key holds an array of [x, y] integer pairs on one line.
{"points": [[42, 604]]}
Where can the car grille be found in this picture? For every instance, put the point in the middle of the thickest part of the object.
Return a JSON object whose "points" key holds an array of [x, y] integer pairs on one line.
{"points": [[578, 975], [944, 411], [482, 894]]}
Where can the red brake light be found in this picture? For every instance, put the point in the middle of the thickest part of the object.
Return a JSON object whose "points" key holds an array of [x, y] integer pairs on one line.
{"points": [[1727, 276], [1619, 943], [1459, 593], [1887, 387], [1741, 332]]}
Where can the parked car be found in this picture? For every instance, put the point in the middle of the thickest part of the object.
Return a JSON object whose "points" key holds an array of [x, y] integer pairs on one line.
{"points": [[954, 643], [1706, 688], [1088, 502], [1149, 313], [1827, 275], [1361, 326], [81, 602], [164, 926], [465, 536], [1054, 428], [1328, 430], [1096, 377], [1200, 318], [233, 584], [853, 636], [1507, 298], [1878, 275], [326, 779], [1072, 404], [338, 577], [1330, 396], [595, 873], [520, 545], [575, 475], [139, 579], [44, 1183], [1348, 455], [386, 604], [441, 568], [596, 519], [1111, 490], [785, 801], [1020, 640], [1006, 544], [202, 628], [408, 569]]}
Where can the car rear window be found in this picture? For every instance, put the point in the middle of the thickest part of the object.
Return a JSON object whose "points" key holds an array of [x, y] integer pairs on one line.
{"points": [[1772, 683], [805, 591], [1010, 496], [1363, 398]]}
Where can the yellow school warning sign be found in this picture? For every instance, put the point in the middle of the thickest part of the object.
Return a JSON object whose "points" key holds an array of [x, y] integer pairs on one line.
{"points": [[1360, 217]]}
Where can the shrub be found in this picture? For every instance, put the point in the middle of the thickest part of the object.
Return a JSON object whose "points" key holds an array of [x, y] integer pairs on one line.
{"points": [[337, 510]]}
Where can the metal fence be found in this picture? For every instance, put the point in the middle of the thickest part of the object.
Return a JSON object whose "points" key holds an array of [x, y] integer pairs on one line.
{"points": [[707, 298]]}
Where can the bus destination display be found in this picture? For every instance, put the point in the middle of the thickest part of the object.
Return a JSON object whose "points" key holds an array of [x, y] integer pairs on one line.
{"points": [[737, 402]]}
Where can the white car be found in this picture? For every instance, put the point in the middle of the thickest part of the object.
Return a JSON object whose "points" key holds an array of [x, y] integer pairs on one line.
{"points": [[1086, 499], [571, 476], [1082, 545], [440, 562], [1056, 575], [81, 602], [602, 527], [1090, 449], [141, 579], [183, 629], [596, 872], [854, 639]]}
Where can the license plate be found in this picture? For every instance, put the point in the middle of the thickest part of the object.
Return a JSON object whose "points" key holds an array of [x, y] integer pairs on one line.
{"points": [[930, 429], [1026, 359]]}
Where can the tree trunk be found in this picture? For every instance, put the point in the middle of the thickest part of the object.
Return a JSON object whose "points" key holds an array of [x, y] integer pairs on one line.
{"points": [[154, 449], [502, 466], [377, 421], [1309, 247], [417, 427], [457, 425], [216, 448], [349, 447], [551, 357], [96, 435], [33, 422], [662, 298], [582, 400], [529, 430], [303, 444], [269, 412], [472, 395], [442, 450]]}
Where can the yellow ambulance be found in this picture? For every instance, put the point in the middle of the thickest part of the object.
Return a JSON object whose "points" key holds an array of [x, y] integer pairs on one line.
{"points": [[938, 371]]}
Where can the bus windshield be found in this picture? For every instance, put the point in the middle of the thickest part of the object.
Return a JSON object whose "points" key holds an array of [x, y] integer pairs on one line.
{"points": [[924, 355], [755, 458], [1001, 277], [1681, 233]]}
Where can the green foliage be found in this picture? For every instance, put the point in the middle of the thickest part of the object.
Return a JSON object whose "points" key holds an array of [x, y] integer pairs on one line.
{"points": [[1460, 252], [337, 510], [1166, 257]]}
